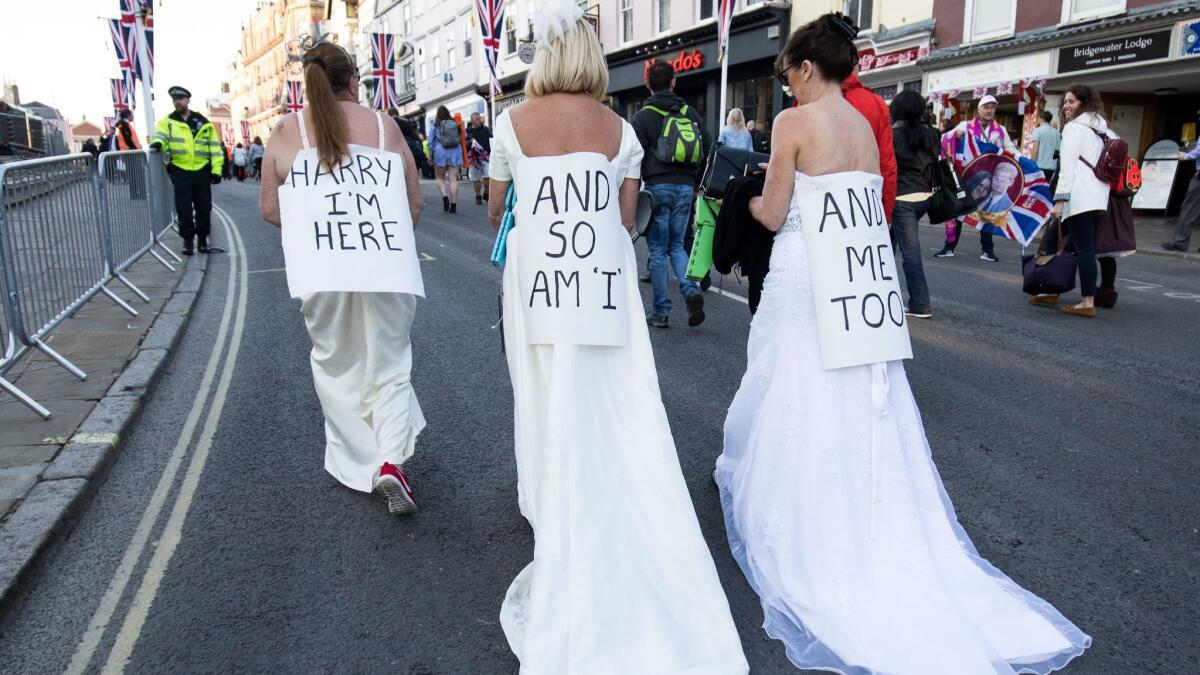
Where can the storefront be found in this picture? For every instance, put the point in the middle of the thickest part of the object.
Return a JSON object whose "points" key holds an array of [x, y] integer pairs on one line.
{"points": [[1145, 64], [756, 37], [887, 60]]}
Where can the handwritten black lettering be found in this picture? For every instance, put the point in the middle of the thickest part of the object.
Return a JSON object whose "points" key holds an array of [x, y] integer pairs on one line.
{"points": [[341, 226], [366, 231], [541, 284], [333, 207], [562, 281], [369, 200], [845, 312], [552, 197], [387, 235], [882, 257], [882, 310], [835, 210], [866, 259], [328, 234], [364, 170], [591, 233]]}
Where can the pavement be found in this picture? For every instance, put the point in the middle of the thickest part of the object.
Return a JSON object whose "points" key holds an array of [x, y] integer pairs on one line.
{"points": [[216, 542]]}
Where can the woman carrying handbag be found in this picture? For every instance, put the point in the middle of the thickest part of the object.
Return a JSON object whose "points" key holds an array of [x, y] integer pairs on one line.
{"points": [[1081, 198]]}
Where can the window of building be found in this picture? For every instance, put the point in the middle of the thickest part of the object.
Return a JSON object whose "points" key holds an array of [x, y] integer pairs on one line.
{"points": [[468, 37], [421, 59], [1078, 10], [859, 12], [451, 37], [987, 19], [754, 96], [406, 76], [435, 49], [406, 18], [625, 20], [705, 10], [662, 15], [510, 35]]}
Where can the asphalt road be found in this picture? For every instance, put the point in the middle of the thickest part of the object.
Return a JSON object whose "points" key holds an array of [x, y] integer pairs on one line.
{"points": [[218, 544]]}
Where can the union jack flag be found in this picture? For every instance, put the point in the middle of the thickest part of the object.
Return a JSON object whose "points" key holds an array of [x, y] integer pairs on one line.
{"points": [[227, 133], [120, 94], [724, 19], [110, 122], [491, 26], [295, 95], [122, 44], [1032, 206], [246, 132], [383, 69], [143, 71]]}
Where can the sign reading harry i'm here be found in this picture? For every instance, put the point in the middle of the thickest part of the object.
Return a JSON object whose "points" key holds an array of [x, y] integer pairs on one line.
{"points": [[348, 227], [572, 251], [860, 312]]}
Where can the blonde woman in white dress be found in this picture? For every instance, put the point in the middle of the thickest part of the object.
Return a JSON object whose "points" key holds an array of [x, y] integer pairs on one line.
{"points": [[621, 579]]}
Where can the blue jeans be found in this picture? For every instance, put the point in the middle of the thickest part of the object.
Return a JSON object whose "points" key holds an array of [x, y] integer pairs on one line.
{"points": [[907, 242], [672, 210]]}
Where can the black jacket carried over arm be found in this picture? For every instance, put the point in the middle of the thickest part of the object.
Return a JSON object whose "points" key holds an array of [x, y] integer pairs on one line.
{"points": [[740, 238], [913, 167], [649, 125]]}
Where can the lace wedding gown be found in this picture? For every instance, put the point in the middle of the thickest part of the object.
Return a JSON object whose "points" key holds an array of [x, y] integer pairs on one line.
{"points": [[838, 518], [622, 581]]}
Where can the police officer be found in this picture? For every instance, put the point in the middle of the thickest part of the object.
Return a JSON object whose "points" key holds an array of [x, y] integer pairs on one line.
{"points": [[196, 158]]}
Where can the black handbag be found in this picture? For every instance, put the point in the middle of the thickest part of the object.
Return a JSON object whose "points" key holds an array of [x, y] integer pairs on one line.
{"points": [[1052, 273], [725, 164], [950, 197]]}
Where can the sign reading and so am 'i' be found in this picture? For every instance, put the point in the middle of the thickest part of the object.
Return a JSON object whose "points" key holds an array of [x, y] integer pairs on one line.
{"points": [[572, 251], [860, 312], [348, 227]]}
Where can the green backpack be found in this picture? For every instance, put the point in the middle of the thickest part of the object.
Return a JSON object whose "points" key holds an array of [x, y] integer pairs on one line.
{"points": [[680, 141]]}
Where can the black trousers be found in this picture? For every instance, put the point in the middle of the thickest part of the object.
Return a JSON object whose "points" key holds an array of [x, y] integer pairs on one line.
{"points": [[193, 192]]}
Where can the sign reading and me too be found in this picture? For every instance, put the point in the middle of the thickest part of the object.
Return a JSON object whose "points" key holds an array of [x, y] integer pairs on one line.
{"points": [[348, 227], [856, 292], [573, 252]]}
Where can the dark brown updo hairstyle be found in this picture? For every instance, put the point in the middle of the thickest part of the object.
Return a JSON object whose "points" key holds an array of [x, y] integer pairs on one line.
{"points": [[328, 70], [828, 42], [1088, 97], [443, 114]]}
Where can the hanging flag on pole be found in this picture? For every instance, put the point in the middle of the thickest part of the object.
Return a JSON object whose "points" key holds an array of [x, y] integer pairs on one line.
{"points": [[246, 132], [120, 94], [129, 25], [121, 43], [491, 26], [724, 19], [227, 133], [110, 122], [295, 95], [383, 70]]}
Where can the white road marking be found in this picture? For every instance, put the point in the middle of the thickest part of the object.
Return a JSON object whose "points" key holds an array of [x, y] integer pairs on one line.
{"points": [[735, 296], [273, 269], [156, 569], [141, 536]]}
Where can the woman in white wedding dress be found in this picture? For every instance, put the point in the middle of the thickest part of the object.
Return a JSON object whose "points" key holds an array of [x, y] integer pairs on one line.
{"points": [[621, 581], [833, 506]]}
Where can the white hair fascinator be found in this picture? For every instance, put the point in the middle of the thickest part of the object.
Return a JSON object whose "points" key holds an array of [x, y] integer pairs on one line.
{"points": [[553, 19]]}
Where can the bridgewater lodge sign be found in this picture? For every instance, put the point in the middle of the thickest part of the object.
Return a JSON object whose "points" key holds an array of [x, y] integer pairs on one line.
{"points": [[1115, 51], [684, 62]]}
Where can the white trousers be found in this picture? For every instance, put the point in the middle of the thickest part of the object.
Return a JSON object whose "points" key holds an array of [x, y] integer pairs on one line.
{"points": [[361, 362]]}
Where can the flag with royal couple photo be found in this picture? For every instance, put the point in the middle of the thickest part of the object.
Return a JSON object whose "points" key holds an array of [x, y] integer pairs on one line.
{"points": [[1012, 193]]}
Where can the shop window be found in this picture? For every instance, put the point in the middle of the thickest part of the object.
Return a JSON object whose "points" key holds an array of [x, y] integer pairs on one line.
{"points": [[662, 15], [989, 19], [754, 96], [467, 37], [859, 11], [1079, 10], [625, 20]]}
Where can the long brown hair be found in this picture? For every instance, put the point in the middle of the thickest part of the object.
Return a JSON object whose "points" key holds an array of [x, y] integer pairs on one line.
{"points": [[1088, 97], [328, 70], [443, 114]]}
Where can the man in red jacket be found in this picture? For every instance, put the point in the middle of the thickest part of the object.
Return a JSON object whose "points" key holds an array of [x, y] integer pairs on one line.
{"points": [[876, 111]]}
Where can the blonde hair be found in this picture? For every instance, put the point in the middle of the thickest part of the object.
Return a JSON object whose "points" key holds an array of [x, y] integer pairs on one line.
{"points": [[573, 63], [736, 119]]}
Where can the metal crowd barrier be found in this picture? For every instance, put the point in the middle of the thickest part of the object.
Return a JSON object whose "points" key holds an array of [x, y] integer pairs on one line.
{"points": [[62, 247]]}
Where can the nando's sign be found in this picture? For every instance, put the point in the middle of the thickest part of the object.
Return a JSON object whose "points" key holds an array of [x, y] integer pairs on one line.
{"points": [[683, 62]]}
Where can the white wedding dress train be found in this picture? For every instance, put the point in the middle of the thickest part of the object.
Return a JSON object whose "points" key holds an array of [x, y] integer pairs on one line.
{"points": [[838, 518]]}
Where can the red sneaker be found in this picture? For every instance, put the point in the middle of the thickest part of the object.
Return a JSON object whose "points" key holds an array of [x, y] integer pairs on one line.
{"points": [[393, 485]]}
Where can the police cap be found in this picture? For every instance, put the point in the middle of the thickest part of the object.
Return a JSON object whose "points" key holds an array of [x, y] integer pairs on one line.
{"points": [[179, 92]]}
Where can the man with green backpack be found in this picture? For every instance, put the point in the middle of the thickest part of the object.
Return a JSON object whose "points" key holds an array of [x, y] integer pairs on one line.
{"points": [[676, 144]]}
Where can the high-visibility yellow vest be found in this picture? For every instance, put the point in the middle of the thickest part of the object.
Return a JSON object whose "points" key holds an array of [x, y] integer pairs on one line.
{"points": [[185, 151]]}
